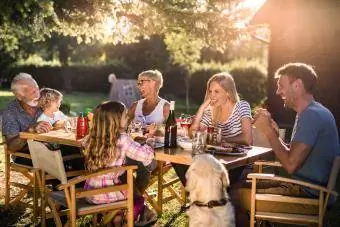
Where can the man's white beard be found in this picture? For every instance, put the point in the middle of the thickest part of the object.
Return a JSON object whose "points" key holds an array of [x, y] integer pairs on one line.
{"points": [[32, 103]]}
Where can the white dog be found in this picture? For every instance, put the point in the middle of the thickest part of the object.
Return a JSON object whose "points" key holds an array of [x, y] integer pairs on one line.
{"points": [[207, 180]]}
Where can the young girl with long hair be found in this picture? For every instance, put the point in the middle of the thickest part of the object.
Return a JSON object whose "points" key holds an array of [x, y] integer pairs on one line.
{"points": [[108, 145]]}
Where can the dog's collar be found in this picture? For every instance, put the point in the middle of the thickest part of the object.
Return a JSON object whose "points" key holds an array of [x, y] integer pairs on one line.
{"points": [[211, 203]]}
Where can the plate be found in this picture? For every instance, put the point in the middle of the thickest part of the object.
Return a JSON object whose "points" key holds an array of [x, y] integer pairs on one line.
{"points": [[158, 145], [238, 151]]}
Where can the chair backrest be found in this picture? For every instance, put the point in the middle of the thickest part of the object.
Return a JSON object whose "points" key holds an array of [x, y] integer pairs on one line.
{"points": [[334, 173], [49, 161]]}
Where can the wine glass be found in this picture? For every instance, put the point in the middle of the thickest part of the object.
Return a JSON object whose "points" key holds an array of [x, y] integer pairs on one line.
{"points": [[185, 124]]}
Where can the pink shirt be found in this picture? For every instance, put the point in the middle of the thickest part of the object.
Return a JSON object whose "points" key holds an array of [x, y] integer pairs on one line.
{"points": [[127, 147]]}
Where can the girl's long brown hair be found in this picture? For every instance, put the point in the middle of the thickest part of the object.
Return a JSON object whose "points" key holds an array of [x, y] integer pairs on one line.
{"points": [[101, 146]]}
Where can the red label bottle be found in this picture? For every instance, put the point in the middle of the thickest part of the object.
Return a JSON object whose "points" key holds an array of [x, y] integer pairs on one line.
{"points": [[82, 126]]}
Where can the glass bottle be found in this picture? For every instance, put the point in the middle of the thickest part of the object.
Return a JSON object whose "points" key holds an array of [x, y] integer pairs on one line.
{"points": [[82, 126], [170, 138]]}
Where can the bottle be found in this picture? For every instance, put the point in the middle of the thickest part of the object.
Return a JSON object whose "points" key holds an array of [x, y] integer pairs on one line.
{"points": [[170, 138], [82, 126]]}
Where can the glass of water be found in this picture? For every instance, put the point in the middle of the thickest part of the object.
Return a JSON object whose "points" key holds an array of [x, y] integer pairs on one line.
{"points": [[70, 125], [198, 143]]}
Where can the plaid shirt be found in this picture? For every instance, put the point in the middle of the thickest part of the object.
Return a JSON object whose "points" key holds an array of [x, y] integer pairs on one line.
{"points": [[127, 147]]}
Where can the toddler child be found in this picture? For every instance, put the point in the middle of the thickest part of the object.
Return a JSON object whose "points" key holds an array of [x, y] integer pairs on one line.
{"points": [[49, 101]]}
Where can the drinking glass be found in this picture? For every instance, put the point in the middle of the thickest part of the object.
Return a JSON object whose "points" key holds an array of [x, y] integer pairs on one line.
{"points": [[198, 143], [135, 129], [217, 136], [185, 124], [70, 125]]}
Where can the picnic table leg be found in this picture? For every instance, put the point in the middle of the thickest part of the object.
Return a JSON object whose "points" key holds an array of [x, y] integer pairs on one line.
{"points": [[160, 185], [35, 196]]}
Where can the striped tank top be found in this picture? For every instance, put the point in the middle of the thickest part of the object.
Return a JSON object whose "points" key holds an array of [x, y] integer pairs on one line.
{"points": [[232, 127]]}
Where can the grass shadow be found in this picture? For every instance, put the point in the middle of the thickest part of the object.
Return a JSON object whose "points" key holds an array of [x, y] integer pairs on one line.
{"points": [[14, 216]]}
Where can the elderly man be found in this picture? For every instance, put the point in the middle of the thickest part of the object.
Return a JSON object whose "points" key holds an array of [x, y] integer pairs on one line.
{"points": [[314, 141], [21, 114]]}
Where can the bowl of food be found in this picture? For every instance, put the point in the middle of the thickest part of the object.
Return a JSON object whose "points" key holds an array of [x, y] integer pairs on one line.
{"points": [[185, 143]]}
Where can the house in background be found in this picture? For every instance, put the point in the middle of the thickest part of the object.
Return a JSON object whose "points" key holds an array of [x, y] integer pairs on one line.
{"points": [[303, 31]]}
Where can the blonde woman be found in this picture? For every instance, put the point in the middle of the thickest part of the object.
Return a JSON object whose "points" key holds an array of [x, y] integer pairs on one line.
{"points": [[152, 108], [223, 108]]}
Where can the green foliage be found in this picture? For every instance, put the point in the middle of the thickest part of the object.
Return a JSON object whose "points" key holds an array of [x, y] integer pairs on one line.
{"points": [[211, 22], [251, 84], [184, 49]]}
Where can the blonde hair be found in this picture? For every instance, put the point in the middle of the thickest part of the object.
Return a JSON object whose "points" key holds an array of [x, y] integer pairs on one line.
{"points": [[226, 81], [101, 147], [47, 96], [153, 75]]}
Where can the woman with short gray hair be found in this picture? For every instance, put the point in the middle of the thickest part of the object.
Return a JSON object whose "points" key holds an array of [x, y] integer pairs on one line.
{"points": [[152, 108]]}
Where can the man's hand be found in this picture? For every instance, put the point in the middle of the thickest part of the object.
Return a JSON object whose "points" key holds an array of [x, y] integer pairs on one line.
{"points": [[263, 121], [43, 127]]}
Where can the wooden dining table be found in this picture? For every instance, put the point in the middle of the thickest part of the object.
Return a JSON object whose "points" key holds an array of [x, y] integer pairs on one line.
{"points": [[162, 155]]}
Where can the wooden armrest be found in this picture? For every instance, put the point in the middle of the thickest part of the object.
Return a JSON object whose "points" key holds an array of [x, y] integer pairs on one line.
{"points": [[89, 175], [273, 177], [268, 163]]}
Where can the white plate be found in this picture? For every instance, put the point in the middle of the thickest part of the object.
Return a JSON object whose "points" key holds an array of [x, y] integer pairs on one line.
{"points": [[158, 145]]}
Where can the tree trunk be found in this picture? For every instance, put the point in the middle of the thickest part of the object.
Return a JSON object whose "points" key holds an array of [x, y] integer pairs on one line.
{"points": [[187, 89], [63, 58]]}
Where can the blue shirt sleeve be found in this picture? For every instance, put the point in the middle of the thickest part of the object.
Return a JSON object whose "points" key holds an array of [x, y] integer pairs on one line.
{"points": [[307, 128], [10, 125]]}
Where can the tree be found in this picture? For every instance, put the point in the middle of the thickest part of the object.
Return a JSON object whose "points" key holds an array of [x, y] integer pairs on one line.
{"points": [[184, 51], [187, 25], [212, 21]]}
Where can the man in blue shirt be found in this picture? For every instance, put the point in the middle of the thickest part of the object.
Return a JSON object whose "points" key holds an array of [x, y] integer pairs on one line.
{"points": [[314, 142], [21, 114]]}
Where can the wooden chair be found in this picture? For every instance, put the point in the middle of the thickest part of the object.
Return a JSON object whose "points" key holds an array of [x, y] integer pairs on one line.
{"points": [[27, 172], [168, 184], [320, 203], [73, 198]]}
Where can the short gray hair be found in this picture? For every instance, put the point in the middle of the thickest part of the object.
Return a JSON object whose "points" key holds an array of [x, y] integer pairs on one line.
{"points": [[153, 75], [15, 85]]}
